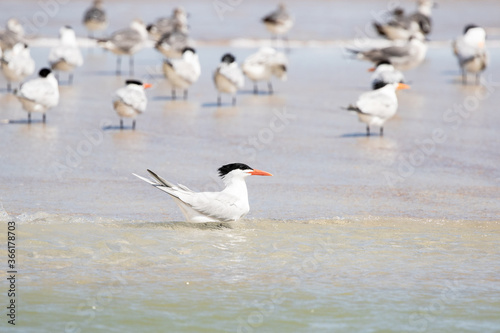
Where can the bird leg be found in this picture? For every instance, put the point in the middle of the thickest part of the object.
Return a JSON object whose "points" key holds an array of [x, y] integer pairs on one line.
{"points": [[43, 118], [9, 86], [121, 123], [131, 65], [255, 88], [173, 94], [270, 87], [70, 79], [185, 94], [218, 100], [133, 124], [29, 117], [381, 131], [478, 78], [464, 77], [367, 130], [118, 65], [234, 100]]}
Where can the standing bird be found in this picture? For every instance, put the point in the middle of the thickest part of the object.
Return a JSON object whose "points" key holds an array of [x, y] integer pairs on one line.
{"points": [[39, 95], [262, 65], [403, 57], [377, 106], [13, 34], [231, 204], [470, 51], [228, 77], [402, 27], [165, 25], [384, 73], [17, 64], [130, 100], [279, 22], [95, 19], [66, 56], [182, 73], [126, 42], [172, 43]]}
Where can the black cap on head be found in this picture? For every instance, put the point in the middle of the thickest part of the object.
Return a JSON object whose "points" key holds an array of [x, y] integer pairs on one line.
{"points": [[228, 58], [68, 27], [379, 84], [188, 49], [44, 72], [139, 83], [149, 27], [25, 45], [225, 169], [383, 62], [469, 26]]}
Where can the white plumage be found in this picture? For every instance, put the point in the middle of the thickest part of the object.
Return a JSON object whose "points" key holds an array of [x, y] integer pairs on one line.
{"points": [[228, 77], [377, 106], [17, 64], [261, 66], [470, 51], [231, 204], [130, 100], [66, 56], [40, 94], [279, 21], [182, 73], [13, 34]]}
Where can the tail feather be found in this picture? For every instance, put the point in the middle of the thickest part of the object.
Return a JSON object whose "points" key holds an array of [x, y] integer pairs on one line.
{"points": [[161, 180], [379, 28], [352, 108]]}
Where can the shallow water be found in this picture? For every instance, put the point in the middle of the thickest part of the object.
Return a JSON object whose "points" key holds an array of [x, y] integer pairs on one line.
{"points": [[352, 234]]}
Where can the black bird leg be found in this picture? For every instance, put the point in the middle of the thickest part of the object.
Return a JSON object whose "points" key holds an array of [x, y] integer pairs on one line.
{"points": [[270, 87], [367, 130]]}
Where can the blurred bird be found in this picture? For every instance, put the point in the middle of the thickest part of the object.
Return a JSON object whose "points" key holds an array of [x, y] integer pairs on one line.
{"points": [[279, 22], [95, 19], [13, 34], [126, 42], [377, 106], [172, 43], [228, 77], [164, 25], [384, 73], [470, 51], [66, 56], [402, 57], [231, 204], [17, 64], [262, 65], [130, 100], [402, 27], [182, 73], [40, 94]]}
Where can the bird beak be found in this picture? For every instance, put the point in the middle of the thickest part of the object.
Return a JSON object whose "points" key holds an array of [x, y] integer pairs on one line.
{"points": [[147, 85], [371, 69], [256, 172], [402, 86]]}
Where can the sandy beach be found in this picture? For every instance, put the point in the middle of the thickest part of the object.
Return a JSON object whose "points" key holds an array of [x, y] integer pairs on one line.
{"points": [[351, 234]]}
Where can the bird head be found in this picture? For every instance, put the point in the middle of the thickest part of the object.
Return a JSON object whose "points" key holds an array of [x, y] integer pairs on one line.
{"points": [[239, 170], [228, 58]]}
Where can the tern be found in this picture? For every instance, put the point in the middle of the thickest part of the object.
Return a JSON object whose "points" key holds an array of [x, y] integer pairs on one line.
{"points": [[402, 27], [377, 106], [17, 64], [66, 56], [182, 73], [262, 65], [13, 34], [130, 100], [126, 42], [95, 19], [402, 57], [231, 204], [470, 51], [279, 22], [384, 73], [40, 94], [228, 77]]}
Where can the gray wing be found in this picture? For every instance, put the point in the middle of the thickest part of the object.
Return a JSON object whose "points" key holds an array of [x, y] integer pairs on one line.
{"points": [[95, 14]]}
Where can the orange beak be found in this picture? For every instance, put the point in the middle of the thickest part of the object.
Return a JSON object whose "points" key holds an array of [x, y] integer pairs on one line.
{"points": [[256, 172], [371, 69], [147, 85], [402, 86]]}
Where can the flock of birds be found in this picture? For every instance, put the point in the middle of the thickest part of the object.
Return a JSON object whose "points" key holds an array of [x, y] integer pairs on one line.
{"points": [[181, 67]]}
